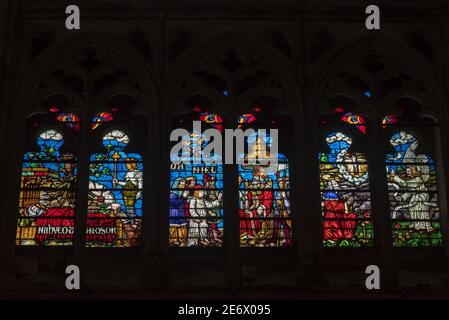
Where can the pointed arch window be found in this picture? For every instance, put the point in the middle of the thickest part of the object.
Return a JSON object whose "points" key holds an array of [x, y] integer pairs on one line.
{"points": [[344, 182], [115, 198], [412, 177], [196, 189], [47, 196], [264, 190]]}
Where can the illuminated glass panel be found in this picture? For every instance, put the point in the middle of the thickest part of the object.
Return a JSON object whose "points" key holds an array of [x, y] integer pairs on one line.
{"points": [[47, 194], [264, 198], [413, 194], [196, 206], [213, 119], [345, 194], [354, 119], [100, 118], [388, 120], [70, 119], [245, 119], [115, 194]]}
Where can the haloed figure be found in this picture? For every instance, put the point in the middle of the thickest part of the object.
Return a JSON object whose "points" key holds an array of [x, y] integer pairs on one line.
{"points": [[417, 202], [132, 185]]}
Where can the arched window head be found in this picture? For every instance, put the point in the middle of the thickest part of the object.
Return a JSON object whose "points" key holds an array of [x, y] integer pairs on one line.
{"points": [[356, 120], [213, 119], [100, 118], [200, 107], [389, 120], [344, 182], [411, 175], [245, 119], [47, 193], [413, 193], [70, 119]]}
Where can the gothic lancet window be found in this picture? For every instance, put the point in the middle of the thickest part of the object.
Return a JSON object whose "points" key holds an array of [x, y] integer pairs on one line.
{"points": [[412, 179], [344, 181], [48, 181], [115, 181], [196, 188], [264, 190]]}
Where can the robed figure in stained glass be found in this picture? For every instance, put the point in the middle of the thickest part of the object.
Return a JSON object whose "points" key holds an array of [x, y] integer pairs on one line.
{"points": [[196, 205], [259, 201], [198, 222], [282, 222], [413, 193], [47, 197], [115, 194], [346, 207], [264, 198], [178, 213]]}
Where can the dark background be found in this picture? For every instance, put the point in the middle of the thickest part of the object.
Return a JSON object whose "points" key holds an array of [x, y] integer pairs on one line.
{"points": [[160, 53]]}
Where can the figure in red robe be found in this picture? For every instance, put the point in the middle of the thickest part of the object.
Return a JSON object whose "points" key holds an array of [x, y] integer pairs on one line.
{"points": [[339, 223]]}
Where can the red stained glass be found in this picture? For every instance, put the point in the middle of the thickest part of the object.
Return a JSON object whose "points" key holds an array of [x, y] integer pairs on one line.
{"points": [[100, 118], [214, 119], [245, 119], [389, 119], [356, 120], [257, 109], [197, 108], [339, 109], [54, 109], [70, 119]]}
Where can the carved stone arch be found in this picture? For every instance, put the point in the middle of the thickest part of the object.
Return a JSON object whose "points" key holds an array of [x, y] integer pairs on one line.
{"points": [[423, 98], [182, 39], [323, 106], [70, 44], [279, 39], [284, 107], [273, 60], [217, 40], [402, 59], [321, 44], [64, 69], [250, 77], [75, 103], [139, 42], [210, 76], [100, 102], [220, 104], [426, 101], [119, 72], [40, 40]]}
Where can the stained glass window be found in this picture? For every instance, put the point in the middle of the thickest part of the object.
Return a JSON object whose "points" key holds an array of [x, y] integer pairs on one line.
{"points": [[115, 194], [213, 119], [264, 198], [345, 194], [413, 194], [70, 119], [246, 118], [47, 194], [264, 189], [388, 120], [101, 118], [196, 206], [355, 119]]}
